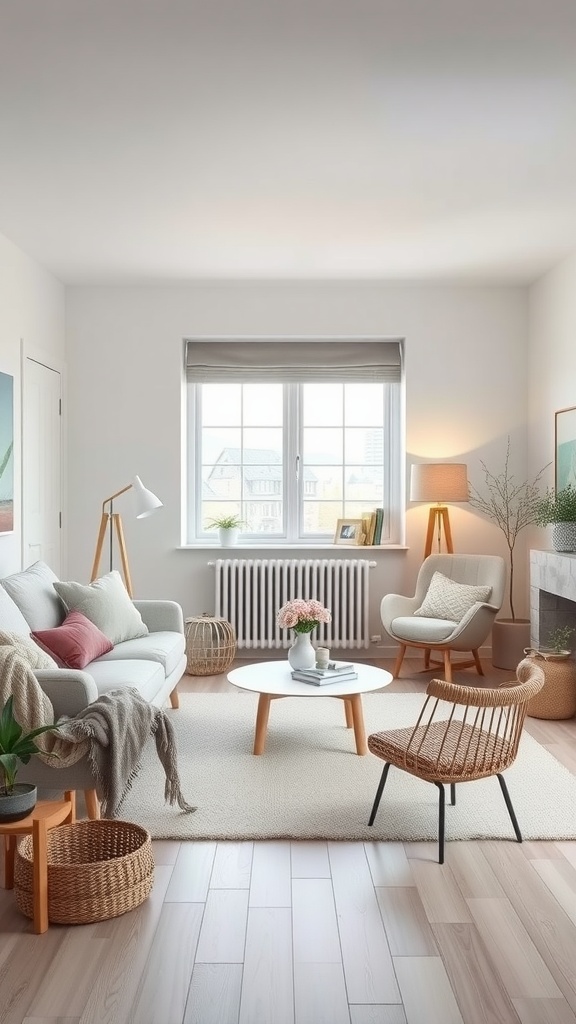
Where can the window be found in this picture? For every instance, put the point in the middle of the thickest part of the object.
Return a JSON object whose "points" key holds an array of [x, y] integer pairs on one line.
{"points": [[289, 439]]}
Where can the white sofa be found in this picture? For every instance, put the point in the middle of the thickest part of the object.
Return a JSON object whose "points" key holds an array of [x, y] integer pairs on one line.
{"points": [[153, 664]]}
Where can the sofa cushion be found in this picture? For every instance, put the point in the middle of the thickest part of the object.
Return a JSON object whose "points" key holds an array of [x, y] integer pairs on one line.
{"points": [[11, 618], [164, 647], [75, 643], [146, 676], [446, 599], [33, 592], [107, 604]]}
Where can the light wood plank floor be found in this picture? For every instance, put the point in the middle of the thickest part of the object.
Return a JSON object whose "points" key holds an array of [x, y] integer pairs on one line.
{"points": [[319, 933]]}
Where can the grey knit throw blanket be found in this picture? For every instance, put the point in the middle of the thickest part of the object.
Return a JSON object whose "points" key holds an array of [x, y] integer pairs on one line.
{"points": [[117, 726]]}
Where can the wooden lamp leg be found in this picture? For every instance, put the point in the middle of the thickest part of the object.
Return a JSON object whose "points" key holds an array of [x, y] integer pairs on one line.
{"points": [[117, 526], [99, 544], [438, 519]]}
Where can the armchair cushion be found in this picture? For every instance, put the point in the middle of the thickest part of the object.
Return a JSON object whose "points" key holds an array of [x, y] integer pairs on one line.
{"points": [[446, 599], [75, 643], [422, 630], [107, 604]]}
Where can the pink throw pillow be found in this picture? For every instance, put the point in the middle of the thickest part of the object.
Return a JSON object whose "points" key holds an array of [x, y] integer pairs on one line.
{"points": [[75, 643]]}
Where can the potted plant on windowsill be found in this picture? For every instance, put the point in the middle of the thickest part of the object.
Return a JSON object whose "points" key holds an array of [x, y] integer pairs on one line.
{"points": [[557, 698], [511, 506], [17, 799], [228, 528], [559, 509]]}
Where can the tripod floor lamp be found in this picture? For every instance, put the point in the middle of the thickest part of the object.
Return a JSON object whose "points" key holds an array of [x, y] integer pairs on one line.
{"points": [[145, 504], [439, 482]]}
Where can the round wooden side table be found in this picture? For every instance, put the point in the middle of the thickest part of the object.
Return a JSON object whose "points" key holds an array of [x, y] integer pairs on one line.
{"points": [[47, 814], [210, 645]]}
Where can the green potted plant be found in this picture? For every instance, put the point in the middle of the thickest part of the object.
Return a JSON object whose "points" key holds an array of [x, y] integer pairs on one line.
{"points": [[511, 506], [228, 527], [17, 799], [559, 508]]}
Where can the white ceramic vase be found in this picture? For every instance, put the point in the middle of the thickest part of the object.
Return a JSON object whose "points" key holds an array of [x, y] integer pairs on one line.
{"points": [[302, 653], [228, 537]]}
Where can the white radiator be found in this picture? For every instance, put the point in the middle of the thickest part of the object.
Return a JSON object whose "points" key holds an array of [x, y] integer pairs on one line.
{"points": [[249, 593]]}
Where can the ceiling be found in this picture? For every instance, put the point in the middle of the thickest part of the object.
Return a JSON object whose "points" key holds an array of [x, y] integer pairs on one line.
{"points": [[173, 140]]}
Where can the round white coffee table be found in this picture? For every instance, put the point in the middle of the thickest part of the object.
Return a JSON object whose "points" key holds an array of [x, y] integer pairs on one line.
{"points": [[273, 679]]}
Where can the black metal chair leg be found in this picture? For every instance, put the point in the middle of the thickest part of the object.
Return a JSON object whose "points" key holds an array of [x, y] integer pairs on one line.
{"points": [[440, 822], [513, 818], [379, 792], [452, 793]]}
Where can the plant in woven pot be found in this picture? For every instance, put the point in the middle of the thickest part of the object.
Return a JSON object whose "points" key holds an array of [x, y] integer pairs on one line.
{"points": [[557, 698], [511, 506], [17, 799], [559, 509]]}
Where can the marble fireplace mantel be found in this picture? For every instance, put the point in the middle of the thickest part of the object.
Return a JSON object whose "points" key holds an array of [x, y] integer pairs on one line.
{"points": [[552, 593]]}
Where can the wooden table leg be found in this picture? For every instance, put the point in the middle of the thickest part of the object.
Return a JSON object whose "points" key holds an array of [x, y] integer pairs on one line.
{"points": [[261, 723], [40, 874], [348, 712], [358, 721], [9, 852]]}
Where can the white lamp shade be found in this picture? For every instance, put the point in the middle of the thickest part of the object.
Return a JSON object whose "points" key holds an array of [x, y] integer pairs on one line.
{"points": [[439, 481], [145, 501]]}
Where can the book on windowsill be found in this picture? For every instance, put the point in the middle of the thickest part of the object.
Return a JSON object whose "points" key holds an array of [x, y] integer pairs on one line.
{"points": [[333, 677]]}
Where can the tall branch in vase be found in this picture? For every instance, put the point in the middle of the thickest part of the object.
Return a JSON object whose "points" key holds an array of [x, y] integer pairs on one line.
{"points": [[511, 506]]}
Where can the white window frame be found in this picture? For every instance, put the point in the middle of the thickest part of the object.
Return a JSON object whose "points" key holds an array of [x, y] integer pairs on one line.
{"points": [[293, 496]]}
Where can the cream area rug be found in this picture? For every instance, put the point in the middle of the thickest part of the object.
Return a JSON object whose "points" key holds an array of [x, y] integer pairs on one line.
{"points": [[310, 783]]}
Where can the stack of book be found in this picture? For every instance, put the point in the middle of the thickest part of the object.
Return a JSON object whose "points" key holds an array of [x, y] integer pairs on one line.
{"points": [[372, 526], [337, 672]]}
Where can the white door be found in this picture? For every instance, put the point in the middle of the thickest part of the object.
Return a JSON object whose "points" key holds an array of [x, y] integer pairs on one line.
{"points": [[41, 465]]}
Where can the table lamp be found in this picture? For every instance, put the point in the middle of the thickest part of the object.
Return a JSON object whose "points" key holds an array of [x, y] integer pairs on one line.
{"points": [[439, 482], [145, 503]]}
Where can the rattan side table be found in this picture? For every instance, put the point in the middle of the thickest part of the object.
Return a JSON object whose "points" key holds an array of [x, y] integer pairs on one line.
{"points": [[46, 815], [210, 645]]}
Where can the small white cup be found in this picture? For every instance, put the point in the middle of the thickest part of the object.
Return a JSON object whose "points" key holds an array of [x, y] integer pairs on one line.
{"points": [[322, 657]]}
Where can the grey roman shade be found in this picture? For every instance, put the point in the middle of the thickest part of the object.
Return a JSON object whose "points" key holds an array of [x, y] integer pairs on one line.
{"points": [[293, 360]]}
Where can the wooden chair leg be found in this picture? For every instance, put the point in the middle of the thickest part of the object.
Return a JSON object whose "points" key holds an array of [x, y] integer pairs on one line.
{"points": [[399, 660], [92, 804], [175, 698], [447, 667], [477, 662], [427, 654]]}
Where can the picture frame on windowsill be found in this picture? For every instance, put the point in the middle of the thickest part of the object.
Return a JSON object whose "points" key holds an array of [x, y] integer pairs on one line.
{"points": [[348, 532]]}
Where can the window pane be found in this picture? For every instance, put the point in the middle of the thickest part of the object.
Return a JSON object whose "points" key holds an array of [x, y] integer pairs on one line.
{"points": [[323, 404], [364, 405], [323, 446], [364, 446], [321, 516], [262, 446], [217, 444], [262, 404], [323, 482], [221, 481], [221, 404]]}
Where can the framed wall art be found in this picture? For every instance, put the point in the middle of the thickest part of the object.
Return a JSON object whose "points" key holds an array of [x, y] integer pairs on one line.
{"points": [[565, 436], [6, 453]]}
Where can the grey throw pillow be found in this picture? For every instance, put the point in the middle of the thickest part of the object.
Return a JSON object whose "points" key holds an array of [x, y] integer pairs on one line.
{"points": [[446, 599], [107, 604], [33, 593]]}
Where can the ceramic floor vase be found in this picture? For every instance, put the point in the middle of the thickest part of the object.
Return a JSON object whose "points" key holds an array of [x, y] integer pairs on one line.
{"points": [[510, 637], [302, 653]]}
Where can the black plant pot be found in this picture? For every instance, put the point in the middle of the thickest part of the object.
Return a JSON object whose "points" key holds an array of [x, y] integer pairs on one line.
{"points": [[19, 803]]}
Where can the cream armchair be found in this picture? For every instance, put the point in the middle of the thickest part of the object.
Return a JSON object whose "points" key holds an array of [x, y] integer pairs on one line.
{"points": [[446, 633]]}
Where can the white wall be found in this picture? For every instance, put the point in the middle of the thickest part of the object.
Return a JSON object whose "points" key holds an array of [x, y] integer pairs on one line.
{"points": [[552, 348], [32, 308], [466, 391]]}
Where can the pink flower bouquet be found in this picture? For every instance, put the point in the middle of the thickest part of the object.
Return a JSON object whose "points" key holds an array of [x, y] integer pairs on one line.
{"points": [[302, 616]]}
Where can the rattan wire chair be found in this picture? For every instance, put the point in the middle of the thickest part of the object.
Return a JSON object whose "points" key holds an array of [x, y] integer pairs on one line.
{"points": [[478, 737]]}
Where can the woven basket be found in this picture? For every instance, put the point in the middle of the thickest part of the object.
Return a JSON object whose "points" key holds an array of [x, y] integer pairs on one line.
{"points": [[210, 645], [557, 698], [96, 870]]}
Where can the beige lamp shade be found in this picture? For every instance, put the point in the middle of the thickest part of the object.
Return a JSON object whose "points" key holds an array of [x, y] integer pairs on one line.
{"points": [[439, 481]]}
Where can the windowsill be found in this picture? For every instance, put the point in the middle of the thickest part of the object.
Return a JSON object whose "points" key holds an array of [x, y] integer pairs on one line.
{"points": [[279, 546]]}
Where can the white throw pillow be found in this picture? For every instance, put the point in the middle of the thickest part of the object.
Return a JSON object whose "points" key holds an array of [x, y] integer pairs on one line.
{"points": [[33, 592], [107, 604], [446, 599]]}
